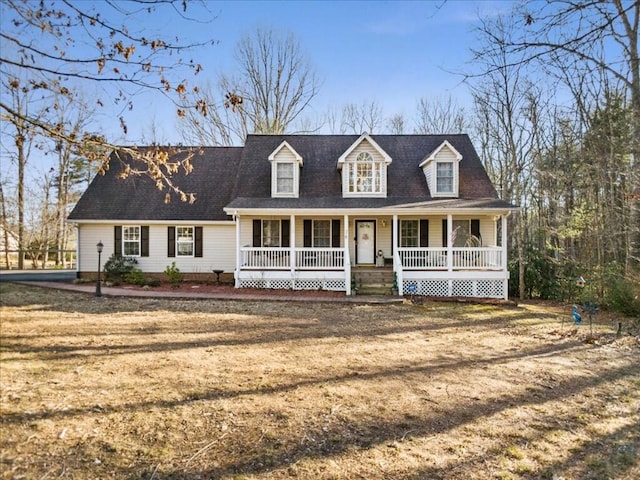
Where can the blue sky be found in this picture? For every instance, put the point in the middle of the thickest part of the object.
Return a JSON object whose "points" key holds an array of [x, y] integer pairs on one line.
{"points": [[388, 51]]}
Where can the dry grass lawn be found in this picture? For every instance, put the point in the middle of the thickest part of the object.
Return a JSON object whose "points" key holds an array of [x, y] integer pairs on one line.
{"points": [[124, 388]]}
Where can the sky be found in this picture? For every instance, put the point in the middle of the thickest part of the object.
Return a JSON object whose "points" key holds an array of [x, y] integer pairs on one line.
{"points": [[390, 52]]}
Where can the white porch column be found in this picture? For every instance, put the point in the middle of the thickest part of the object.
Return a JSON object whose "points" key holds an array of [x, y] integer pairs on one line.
{"points": [[397, 267], [238, 251], [346, 264], [449, 253], [292, 248], [505, 263], [394, 234], [449, 242]]}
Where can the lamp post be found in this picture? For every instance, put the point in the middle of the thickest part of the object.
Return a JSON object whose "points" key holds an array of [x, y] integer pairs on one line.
{"points": [[99, 247]]}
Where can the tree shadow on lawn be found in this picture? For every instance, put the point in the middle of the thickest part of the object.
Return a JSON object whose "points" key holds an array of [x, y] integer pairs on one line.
{"points": [[321, 442], [603, 456], [255, 327], [211, 395]]}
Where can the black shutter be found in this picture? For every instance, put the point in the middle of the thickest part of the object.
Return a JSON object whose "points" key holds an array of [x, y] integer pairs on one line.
{"points": [[257, 233], [285, 232], [445, 237], [306, 227], [198, 242], [335, 233], [144, 241], [475, 228], [171, 241], [424, 233], [117, 241]]}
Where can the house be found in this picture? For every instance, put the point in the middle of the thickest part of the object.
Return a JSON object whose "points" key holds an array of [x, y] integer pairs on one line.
{"points": [[313, 212]]}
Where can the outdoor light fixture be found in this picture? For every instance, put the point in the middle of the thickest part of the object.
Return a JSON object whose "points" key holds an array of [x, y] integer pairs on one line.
{"points": [[99, 247]]}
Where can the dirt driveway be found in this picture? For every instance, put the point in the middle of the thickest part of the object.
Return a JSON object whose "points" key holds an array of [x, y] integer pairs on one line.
{"points": [[144, 388]]}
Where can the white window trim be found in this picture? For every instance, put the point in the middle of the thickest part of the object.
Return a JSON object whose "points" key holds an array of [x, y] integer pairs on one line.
{"points": [[347, 161], [313, 232], [454, 179], [349, 172], [263, 229], [192, 242], [139, 241], [429, 165], [295, 186], [401, 238], [276, 159]]}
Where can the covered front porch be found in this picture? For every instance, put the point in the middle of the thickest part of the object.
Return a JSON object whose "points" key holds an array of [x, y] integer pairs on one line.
{"points": [[461, 254]]}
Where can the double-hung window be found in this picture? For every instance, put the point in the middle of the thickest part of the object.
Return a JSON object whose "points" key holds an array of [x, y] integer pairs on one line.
{"points": [[271, 233], [285, 178], [409, 233], [131, 241], [184, 241], [444, 177], [321, 233], [414, 233]]}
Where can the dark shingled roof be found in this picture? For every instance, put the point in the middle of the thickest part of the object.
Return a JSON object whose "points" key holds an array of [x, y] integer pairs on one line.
{"points": [[240, 177], [138, 198]]}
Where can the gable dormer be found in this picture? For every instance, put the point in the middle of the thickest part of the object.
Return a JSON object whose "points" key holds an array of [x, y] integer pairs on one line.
{"points": [[364, 169], [441, 169], [285, 171]]}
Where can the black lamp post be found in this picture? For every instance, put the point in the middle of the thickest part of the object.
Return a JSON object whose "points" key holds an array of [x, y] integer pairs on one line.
{"points": [[99, 247]]}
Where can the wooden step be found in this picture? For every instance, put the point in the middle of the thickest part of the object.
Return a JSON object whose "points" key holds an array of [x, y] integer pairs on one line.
{"points": [[373, 281]]}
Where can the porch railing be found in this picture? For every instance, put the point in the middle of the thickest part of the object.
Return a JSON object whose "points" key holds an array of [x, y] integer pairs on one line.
{"points": [[474, 258], [278, 258], [319, 258]]}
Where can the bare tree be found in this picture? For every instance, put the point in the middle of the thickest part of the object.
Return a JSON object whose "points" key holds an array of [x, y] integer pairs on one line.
{"points": [[365, 117], [397, 124], [601, 35], [221, 126], [503, 99], [20, 100], [62, 46], [440, 115], [273, 84]]}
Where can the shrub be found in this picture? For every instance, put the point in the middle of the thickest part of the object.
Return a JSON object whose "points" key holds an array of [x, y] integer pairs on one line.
{"points": [[117, 267], [135, 277], [623, 298], [152, 282], [174, 275]]}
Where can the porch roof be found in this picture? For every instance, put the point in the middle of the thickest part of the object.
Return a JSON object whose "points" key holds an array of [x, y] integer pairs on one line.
{"points": [[382, 206]]}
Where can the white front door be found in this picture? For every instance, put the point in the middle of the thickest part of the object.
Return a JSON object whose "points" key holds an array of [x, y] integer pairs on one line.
{"points": [[365, 236]]}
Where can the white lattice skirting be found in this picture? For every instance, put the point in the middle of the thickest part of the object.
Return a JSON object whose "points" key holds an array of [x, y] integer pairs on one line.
{"points": [[288, 284], [456, 288]]}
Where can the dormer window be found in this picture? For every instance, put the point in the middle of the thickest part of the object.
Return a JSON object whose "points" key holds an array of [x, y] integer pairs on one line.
{"points": [[441, 170], [444, 177], [364, 169], [285, 171], [365, 175], [284, 178]]}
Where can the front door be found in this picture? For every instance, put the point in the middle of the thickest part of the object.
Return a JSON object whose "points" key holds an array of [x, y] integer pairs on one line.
{"points": [[365, 238]]}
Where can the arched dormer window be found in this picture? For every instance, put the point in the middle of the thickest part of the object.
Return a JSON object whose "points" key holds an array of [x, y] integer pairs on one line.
{"points": [[364, 169], [365, 174]]}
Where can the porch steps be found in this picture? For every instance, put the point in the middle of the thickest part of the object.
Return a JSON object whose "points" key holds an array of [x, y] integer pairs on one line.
{"points": [[373, 281]]}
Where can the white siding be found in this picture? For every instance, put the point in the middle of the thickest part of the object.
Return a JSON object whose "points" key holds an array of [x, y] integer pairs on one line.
{"points": [[218, 248], [429, 169]]}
